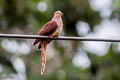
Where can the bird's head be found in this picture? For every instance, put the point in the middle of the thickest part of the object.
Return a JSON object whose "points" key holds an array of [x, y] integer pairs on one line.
{"points": [[58, 13]]}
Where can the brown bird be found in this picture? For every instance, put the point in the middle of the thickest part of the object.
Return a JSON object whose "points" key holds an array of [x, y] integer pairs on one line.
{"points": [[53, 29]]}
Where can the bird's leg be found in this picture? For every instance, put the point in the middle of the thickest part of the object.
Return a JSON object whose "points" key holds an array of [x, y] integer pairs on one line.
{"points": [[43, 56]]}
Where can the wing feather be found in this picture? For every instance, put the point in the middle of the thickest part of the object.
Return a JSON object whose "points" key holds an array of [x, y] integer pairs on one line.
{"points": [[46, 30]]}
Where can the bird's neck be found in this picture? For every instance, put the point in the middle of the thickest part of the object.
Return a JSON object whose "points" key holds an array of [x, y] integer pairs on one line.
{"points": [[57, 19]]}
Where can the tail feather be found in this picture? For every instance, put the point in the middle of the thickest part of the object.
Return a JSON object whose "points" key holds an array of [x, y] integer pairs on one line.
{"points": [[36, 41], [43, 56], [39, 46], [43, 62]]}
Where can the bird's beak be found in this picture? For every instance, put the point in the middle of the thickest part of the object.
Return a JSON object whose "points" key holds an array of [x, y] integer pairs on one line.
{"points": [[62, 14]]}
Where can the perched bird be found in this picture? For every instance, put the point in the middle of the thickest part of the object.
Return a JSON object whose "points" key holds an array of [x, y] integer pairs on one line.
{"points": [[52, 29]]}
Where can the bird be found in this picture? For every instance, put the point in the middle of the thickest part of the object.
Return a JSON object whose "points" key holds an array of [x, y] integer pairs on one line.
{"points": [[52, 29]]}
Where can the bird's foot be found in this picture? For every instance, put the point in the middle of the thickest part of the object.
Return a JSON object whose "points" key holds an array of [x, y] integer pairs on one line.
{"points": [[51, 36]]}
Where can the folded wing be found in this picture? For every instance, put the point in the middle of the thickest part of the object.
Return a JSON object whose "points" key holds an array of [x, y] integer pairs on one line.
{"points": [[47, 30]]}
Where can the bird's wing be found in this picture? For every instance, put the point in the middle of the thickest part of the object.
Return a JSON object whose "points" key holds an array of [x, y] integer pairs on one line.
{"points": [[47, 30]]}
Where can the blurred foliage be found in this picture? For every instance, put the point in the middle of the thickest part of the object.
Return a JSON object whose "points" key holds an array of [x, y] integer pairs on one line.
{"points": [[23, 17]]}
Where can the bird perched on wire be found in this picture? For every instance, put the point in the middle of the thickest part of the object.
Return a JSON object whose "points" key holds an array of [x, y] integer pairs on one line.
{"points": [[52, 29]]}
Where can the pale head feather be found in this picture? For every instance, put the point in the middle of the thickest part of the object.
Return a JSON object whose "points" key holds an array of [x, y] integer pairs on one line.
{"points": [[58, 13]]}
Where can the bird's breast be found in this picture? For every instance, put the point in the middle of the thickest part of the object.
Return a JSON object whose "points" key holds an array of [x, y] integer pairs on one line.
{"points": [[58, 31], [59, 28]]}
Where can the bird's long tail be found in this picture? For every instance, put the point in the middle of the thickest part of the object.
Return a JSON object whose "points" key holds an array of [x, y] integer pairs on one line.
{"points": [[43, 56]]}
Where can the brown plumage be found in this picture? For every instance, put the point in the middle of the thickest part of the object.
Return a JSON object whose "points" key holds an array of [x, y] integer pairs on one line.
{"points": [[53, 28]]}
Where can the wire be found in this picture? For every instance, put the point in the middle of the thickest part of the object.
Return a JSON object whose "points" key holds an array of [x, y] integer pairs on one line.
{"points": [[59, 38]]}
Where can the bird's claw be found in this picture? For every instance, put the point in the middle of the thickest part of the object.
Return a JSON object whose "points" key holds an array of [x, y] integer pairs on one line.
{"points": [[51, 36]]}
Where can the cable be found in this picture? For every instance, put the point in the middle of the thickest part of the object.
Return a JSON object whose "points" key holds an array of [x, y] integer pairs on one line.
{"points": [[59, 38]]}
